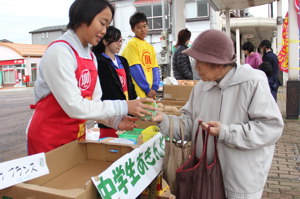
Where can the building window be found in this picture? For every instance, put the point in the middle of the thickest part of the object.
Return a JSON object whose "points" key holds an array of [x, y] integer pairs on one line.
{"points": [[197, 9], [33, 72], [9, 74], [154, 16]]}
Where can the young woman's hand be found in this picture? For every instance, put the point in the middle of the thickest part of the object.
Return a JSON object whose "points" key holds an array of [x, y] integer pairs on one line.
{"points": [[138, 107], [127, 123]]}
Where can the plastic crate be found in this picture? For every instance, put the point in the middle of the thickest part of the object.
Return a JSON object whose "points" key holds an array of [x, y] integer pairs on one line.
{"points": [[131, 135], [149, 132]]}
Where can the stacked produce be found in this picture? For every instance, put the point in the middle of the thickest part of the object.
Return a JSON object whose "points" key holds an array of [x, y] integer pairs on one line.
{"points": [[169, 109]]}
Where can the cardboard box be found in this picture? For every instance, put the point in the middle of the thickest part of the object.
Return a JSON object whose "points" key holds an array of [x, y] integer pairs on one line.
{"points": [[71, 167], [172, 103], [177, 92], [144, 124], [187, 82]]}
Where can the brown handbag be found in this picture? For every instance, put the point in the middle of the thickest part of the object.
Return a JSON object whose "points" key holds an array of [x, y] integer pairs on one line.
{"points": [[176, 153], [198, 180]]}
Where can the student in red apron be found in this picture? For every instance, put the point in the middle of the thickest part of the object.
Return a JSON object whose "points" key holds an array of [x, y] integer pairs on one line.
{"points": [[114, 74], [67, 90]]}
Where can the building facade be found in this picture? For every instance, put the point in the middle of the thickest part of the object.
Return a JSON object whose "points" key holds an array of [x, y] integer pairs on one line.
{"points": [[165, 19], [45, 35], [18, 63]]}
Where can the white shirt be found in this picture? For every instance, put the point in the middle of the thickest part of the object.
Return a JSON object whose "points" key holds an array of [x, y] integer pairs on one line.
{"points": [[56, 75]]}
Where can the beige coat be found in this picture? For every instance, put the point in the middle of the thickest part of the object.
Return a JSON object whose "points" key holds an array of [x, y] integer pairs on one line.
{"points": [[251, 123]]}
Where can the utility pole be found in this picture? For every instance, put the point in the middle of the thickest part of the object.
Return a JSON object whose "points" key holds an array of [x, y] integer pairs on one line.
{"points": [[165, 54], [293, 83]]}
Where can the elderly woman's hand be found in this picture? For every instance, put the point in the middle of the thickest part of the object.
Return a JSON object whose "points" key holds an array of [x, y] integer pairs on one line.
{"points": [[158, 118], [214, 127]]}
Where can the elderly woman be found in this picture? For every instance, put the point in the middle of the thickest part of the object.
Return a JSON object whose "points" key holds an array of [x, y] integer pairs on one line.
{"points": [[236, 102]]}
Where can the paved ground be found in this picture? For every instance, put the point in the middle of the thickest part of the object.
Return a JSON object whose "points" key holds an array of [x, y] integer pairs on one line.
{"points": [[284, 176]]}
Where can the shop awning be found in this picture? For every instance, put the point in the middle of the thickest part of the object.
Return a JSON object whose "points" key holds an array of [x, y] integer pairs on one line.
{"points": [[149, 1], [12, 62], [236, 5]]}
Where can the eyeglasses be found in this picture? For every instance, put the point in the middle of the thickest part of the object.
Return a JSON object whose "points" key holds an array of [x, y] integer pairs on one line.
{"points": [[120, 40]]}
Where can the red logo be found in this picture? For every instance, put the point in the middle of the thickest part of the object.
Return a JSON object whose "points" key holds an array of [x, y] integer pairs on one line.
{"points": [[146, 60], [85, 80]]}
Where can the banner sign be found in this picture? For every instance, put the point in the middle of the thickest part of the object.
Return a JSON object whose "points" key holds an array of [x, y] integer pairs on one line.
{"points": [[283, 54], [12, 62], [20, 170], [132, 173]]}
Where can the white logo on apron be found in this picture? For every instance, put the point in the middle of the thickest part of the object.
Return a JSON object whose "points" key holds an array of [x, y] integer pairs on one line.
{"points": [[122, 80], [85, 80]]}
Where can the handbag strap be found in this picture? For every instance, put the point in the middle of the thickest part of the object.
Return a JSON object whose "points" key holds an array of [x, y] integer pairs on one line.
{"points": [[171, 129], [205, 136], [196, 137], [181, 132], [216, 156]]}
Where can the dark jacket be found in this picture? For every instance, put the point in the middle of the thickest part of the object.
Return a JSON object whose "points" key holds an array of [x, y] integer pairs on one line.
{"points": [[273, 86], [110, 82], [273, 60], [181, 64]]}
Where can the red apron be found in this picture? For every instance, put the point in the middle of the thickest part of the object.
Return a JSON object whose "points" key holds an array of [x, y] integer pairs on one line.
{"points": [[50, 126], [123, 79]]}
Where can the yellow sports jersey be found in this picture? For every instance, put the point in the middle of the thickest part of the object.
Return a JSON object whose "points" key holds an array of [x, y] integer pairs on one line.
{"points": [[141, 52]]}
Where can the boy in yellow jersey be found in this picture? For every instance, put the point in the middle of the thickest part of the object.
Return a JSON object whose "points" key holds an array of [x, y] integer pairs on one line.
{"points": [[141, 58]]}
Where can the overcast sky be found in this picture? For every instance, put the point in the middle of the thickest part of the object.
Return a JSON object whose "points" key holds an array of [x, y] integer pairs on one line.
{"points": [[19, 17]]}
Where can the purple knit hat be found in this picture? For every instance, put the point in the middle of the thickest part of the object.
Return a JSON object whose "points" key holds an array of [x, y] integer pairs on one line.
{"points": [[212, 46]]}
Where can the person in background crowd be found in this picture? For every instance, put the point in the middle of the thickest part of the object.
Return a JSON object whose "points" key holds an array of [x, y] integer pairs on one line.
{"points": [[253, 58], [113, 72], [141, 58], [271, 57], [267, 68], [67, 90], [235, 102], [181, 63]]}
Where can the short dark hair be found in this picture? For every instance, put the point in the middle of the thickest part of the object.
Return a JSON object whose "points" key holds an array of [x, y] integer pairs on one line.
{"points": [[84, 11], [183, 36], [267, 68], [265, 43], [136, 18], [248, 46], [112, 35]]}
